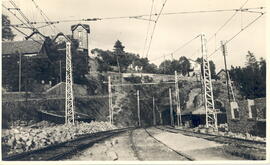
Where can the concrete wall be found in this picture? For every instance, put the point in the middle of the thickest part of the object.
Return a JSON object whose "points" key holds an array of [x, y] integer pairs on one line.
{"points": [[245, 124]]}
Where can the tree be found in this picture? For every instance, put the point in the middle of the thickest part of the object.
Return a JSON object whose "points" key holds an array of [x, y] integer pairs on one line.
{"points": [[251, 79], [57, 54], [10, 72], [181, 66], [251, 61], [120, 56], [164, 67], [118, 47], [184, 65], [35, 70], [7, 34], [211, 65]]}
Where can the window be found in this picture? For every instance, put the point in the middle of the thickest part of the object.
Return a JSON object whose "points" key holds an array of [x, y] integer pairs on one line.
{"points": [[234, 110], [236, 113], [253, 111], [80, 34]]}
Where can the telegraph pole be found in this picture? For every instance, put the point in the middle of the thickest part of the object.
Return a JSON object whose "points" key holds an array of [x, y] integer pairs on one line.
{"points": [[178, 108], [138, 106], [110, 99], [154, 113], [171, 108]]}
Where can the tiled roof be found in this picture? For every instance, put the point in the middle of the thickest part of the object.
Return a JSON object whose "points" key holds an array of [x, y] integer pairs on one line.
{"points": [[25, 47]]}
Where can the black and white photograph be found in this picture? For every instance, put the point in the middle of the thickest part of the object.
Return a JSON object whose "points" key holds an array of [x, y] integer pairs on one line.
{"points": [[134, 81]]}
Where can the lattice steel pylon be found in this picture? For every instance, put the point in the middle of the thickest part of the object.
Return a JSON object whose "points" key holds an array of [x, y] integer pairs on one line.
{"points": [[211, 115], [69, 108]]}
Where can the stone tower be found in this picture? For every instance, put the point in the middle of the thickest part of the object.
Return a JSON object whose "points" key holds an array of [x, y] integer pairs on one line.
{"points": [[81, 32]]}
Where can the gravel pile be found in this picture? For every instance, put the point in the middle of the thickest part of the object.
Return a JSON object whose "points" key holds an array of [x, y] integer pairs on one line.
{"points": [[21, 139]]}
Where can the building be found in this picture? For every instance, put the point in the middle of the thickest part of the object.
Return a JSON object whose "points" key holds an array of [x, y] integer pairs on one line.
{"points": [[194, 69], [27, 48], [81, 33], [60, 38], [221, 75], [249, 116]]}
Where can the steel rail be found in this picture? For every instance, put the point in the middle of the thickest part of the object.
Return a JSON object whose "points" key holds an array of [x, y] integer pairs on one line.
{"points": [[62, 150]]}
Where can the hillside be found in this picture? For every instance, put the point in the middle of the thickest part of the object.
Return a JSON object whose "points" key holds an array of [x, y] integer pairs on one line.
{"points": [[92, 100]]}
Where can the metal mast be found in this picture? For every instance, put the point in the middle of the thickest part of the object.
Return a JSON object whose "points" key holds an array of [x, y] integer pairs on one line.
{"points": [[69, 108], [138, 108], [229, 84], [110, 99], [211, 115], [178, 108], [154, 112], [171, 108]]}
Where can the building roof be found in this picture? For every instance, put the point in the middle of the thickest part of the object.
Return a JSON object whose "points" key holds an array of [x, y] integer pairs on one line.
{"points": [[61, 34], [222, 70], [25, 47], [85, 26]]}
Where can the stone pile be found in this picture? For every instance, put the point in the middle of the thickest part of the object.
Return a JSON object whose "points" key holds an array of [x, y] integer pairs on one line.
{"points": [[21, 139]]}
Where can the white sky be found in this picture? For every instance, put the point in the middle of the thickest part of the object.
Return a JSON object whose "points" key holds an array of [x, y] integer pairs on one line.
{"points": [[171, 31]]}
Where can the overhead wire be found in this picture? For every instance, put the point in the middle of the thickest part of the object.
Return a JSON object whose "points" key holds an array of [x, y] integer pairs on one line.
{"points": [[142, 15], [33, 28], [244, 28], [148, 26], [227, 21], [217, 31], [21, 13], [45, 17], [9, 10], [178, 49], [151, 38], [14, 27]]}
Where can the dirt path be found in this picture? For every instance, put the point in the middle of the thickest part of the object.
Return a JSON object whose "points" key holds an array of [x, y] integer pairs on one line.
{"points": [[199, 149], [154, 144], [135, 145], [150, 149]]}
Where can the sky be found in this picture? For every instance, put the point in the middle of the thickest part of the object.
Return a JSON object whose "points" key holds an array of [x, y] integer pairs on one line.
{"points": [[170, 33]]}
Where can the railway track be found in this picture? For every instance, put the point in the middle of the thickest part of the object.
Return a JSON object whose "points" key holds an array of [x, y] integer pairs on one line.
{"points": [[62, 150], [245, 143]]}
